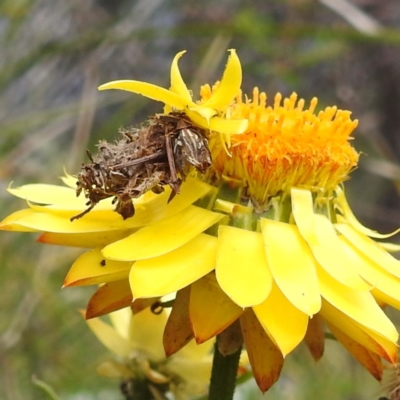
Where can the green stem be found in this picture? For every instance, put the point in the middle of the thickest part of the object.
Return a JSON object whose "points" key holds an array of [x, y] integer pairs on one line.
{"points": [[223, 376]]}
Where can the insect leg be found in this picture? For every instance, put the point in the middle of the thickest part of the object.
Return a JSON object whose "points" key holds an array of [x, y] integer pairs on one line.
{"points": [[171, 162]]}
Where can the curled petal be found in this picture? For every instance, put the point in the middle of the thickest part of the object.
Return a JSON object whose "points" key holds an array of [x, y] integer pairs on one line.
{"points": [[16, 222], [382, 281], [44, 194], [358, 305], [178, 85], [383, 346], [229, 85], [349, 217], [330, 255], [370, 249], [150, 91], [369, 360]]}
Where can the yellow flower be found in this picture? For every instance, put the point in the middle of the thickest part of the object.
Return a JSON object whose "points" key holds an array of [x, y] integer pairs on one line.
{"points": [[209, 114], [265, 237], [136, 341]]}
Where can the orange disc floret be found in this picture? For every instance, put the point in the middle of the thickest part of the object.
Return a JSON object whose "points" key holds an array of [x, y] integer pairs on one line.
{"points": [[285, 145]]}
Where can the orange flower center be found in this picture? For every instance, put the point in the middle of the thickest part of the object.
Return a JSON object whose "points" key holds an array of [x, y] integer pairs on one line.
{"points": [[285, 145]]}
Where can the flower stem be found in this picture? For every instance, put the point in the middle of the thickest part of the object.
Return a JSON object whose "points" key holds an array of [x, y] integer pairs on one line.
{"points": [[223, 376]]}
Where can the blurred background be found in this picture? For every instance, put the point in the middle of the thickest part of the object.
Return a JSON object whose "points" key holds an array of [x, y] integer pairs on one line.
{"points": [[54, 54]]}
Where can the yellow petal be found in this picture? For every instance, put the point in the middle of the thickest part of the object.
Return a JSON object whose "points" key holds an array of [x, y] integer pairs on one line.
{"points": [[303, 213], [91, 268], [284, 323], [175, 270], [330, 255], [370, 249], [14, 222], [104, 212], [120, 320], [359, 306], [150, 91], [114, 369], [211, 311], [178, 86], [352, 220], [390, 247], [84, 240], [164, 236], [265, 358], [69, 180], [390, 346], [241, 266], [44, 194], [294, 270], [369, 360], [145, 332], [195, 372], [206, 112], [385, 348], [371, 272], [196, 352], [31, 220], [108, 298], [315, 338], [384, 298], [218, 124], [178, 331], [57, 218], [148, 208], [110, 338], [229, 85]]}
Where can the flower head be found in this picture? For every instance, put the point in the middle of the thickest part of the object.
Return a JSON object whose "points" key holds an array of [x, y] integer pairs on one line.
{"points": [[210, 114], [265, 237], [136, 341]]}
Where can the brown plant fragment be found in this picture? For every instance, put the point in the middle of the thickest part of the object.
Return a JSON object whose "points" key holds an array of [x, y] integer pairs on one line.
{"points": [[109, 297], [315, 338], [178, 330], [230, 340], [146, 158], [266, 359]]}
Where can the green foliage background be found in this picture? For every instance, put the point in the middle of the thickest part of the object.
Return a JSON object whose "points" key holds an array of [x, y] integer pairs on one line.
{"points": [[54, 54]]}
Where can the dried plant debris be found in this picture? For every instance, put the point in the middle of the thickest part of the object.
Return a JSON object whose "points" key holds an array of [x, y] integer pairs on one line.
{"points": [[147, 158]]}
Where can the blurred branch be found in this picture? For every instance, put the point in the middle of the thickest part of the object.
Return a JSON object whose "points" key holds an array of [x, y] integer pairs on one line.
{"points": [[20, 321], [382, 168], [211, 60], [354, 16], [265, 27], [45, 387], [87, 110]]}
